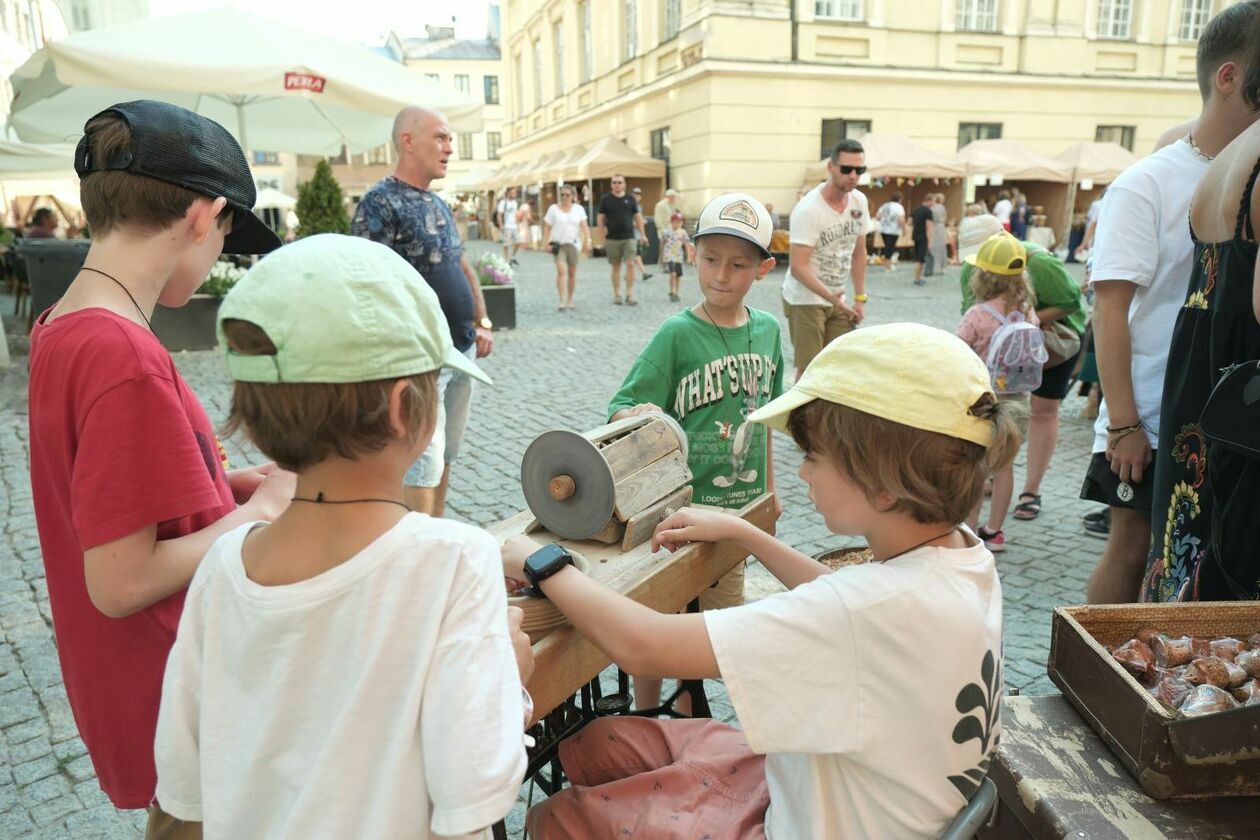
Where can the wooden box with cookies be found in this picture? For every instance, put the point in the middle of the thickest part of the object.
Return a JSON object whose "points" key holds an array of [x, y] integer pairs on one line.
{"points": [[1172, 689]]}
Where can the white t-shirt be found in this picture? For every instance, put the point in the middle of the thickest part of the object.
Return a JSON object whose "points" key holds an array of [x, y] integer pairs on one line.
{"points": [[1143, 236], [378, 699], [1091, 214], [833, 236], [566, 228], [509, 207], [892, 218], [1003, 210], [851, 686]]}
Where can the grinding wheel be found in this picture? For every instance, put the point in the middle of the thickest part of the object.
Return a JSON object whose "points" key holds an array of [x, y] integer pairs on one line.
{"points": [[591, 495]]}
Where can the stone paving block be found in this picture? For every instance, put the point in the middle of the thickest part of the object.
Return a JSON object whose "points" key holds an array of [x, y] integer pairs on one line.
{"points": [[18, 706], [34, 770], [80, 769], [23, 732], [90, 793], [69, 749], [29, 750], [9, 797], [15, 823], [44, 790], [54, 809]]}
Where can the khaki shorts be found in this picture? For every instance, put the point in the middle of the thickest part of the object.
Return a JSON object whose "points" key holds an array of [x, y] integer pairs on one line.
{"points": [[812, 328], [727, 592], [162, 826], [620, 250], [567, 255]]}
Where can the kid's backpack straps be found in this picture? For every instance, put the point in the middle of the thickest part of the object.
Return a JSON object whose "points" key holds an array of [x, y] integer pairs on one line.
{"points": [[1017, 353]]}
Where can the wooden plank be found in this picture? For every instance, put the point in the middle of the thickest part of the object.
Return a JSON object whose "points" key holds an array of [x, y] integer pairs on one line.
{"points": [[639, 527], [650, 484], [614, 429], [639, 449], [611, 533]]}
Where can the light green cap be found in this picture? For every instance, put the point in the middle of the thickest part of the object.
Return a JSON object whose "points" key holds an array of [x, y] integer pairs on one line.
{"points": [[340, 309]]}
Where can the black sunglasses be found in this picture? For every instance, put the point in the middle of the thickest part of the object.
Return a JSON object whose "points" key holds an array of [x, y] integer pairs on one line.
{"points": [[849, 170]]}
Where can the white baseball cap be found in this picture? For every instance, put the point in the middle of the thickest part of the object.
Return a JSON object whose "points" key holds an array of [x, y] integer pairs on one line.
{"points": [[740, 215], [976, 233]]}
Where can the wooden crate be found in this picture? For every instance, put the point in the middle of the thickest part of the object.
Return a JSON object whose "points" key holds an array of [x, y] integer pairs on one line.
{"points": [[1169, 756]]}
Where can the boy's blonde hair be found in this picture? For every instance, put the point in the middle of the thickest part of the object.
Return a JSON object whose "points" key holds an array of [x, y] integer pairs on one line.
{"points": [[114, 199], [299, 425], [1012, 288], [934, 477]]}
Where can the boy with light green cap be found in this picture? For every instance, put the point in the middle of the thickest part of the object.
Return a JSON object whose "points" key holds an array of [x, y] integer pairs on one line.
{"points": [[900, 427], [333, 650]]}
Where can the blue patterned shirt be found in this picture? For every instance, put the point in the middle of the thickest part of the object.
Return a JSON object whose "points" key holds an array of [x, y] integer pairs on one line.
{"points": [[419, 226]]}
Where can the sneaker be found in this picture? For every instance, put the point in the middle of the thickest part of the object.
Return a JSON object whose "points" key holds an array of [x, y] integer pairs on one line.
{"points": [[513, 261], [1099, 515], [995, 541], [647, 276], [1100, 528]]}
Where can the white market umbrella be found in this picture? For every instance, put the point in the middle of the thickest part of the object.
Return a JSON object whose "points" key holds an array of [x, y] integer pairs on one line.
{"points": [[273, 86], [36, 161], [274, 198]]}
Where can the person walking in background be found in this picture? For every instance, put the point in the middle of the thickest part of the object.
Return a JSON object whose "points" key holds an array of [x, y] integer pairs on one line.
{"points": [[775, 221], [664, 210], [1002, 208], [676, 249], [507, 219], [938, 249], [566, 232], [641, 242], [892, 223], [1019, 215], [525, 224], [620, 222], [828, 247], [43, 225], [921, 232]]}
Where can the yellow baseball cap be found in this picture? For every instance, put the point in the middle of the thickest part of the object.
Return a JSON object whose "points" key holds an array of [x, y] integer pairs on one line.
{"points": [[911, 374], [1000, 254]]}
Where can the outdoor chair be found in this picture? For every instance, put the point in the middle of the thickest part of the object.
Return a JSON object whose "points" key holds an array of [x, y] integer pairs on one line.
{"points": [[974, 814]]}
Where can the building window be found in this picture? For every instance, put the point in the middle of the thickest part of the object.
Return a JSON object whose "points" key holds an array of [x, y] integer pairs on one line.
{"points": [[673, 18], [491, 85], [465, 147], [976, 15], [518, 83], [1122, 134], [833, 131], [839, 9], [433, 77], [266, 158], [493, 140], [1194, 16], [82, 18], [378, 156], [629, 29], [557, 37], [584, 32], [538, 73], [978, 131], [660, 148], [1115, 18], [461, 82]]}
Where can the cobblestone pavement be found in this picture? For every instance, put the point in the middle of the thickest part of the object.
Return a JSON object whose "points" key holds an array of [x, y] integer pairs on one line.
{"points": [[555, 369]]}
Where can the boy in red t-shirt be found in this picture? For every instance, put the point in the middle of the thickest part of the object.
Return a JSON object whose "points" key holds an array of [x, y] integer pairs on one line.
{"points": [[129, 481]]}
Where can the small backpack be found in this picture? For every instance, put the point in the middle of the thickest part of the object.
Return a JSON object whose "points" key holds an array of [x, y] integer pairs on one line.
{"points": [[1017, 353]]}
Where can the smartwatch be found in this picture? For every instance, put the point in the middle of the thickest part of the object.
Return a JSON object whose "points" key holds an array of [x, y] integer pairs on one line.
{"points": [[542, 564]]}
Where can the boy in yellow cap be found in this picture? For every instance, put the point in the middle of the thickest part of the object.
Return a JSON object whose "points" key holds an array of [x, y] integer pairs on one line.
{"points": [[331, 650], [900, 426]]}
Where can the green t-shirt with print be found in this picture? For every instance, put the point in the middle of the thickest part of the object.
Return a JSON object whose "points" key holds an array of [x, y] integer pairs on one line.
{"points": [[710, 379], [1051, 283]]}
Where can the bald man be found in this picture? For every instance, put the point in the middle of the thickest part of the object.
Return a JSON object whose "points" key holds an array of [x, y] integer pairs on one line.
{"points": [[400, 211]]}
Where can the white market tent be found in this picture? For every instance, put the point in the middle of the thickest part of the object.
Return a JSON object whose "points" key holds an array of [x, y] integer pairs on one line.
{"points": [[274, 86], [1045, 181], [272, 198]]}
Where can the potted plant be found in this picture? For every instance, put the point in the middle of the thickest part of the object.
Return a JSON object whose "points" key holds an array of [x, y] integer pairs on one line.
{"points": [[495, 276], [192, 326]]}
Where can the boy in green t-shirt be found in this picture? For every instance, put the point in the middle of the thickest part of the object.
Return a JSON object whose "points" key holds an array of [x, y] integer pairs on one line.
{"points": [[711, 366]]}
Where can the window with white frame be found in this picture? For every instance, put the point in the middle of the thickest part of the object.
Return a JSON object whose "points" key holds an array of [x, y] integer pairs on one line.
{"points": [[493, 140], [465, 147], [584, 33], [461, 82], [1194, 16], [1115, 18], [976, 15], [673, 18], [629, 29], [557, 38], [838, 9], [538, 73]]}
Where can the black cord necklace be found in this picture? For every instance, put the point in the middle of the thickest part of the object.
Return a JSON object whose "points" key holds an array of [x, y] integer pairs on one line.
{"points": [[320, 500], [948, 533], [125, 289], [749, 399]]}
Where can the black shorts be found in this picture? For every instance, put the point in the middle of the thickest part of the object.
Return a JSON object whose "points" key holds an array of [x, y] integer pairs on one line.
{"points": [[1102, 485], [890, 245], [920, 250], [674, 268], [1057, 381]]}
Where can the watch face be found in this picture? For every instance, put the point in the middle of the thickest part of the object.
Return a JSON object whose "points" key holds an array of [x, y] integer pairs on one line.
{"points": [[545, 558]]}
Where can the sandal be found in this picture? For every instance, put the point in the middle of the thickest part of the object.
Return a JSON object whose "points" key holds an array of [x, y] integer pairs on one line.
{"points": [[617, 300], [631, 302], [1030, 509]]}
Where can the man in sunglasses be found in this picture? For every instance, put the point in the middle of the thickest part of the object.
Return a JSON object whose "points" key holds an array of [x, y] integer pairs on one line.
{"points": [[828, 247]]}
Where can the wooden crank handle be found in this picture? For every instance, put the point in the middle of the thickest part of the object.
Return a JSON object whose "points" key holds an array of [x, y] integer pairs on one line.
{"points": [[561, 487]]}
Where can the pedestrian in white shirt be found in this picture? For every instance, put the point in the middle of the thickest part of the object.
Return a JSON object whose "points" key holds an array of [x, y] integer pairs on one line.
{"points": [[900, 426], [566, 232], [507, 218], [349, 670], [1003, 207]]}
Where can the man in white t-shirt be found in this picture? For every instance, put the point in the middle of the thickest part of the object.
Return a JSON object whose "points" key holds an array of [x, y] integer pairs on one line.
{"points": [[566, 232], [892, 223], [1142, 262], [828, 247], [506, 216], [1002, 209]]}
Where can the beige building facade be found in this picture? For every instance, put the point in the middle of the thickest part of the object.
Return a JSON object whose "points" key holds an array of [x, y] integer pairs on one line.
{"points": [[744, 94]]}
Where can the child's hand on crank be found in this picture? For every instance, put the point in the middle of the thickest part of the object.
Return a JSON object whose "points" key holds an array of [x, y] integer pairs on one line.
{"points": [[514, 551], [693, 525]]}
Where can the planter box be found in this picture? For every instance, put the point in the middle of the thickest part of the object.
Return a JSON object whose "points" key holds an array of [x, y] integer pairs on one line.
{"points": [[189, 327], [501, 306]]}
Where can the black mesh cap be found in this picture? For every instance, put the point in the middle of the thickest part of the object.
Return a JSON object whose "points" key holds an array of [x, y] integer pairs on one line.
{"points": [[175, 145]]}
